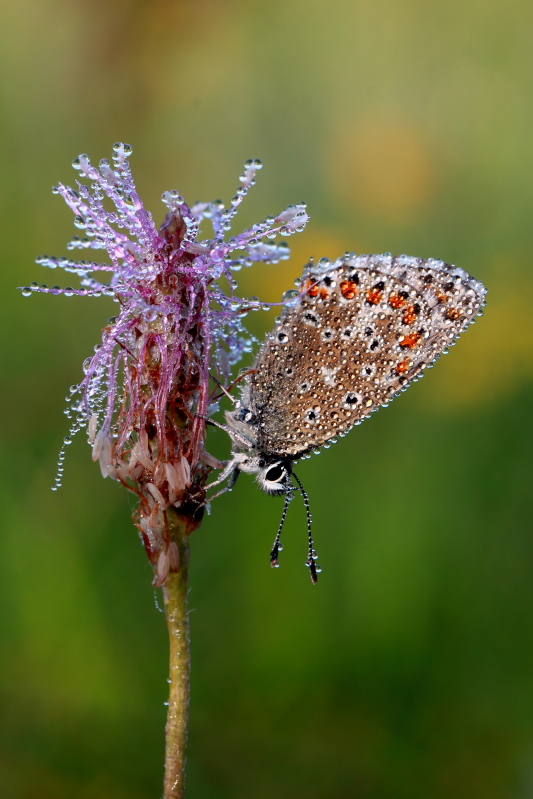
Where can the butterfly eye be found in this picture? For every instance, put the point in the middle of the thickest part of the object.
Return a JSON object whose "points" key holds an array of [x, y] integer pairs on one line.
{"points": [[246, 416], [275, 473]]}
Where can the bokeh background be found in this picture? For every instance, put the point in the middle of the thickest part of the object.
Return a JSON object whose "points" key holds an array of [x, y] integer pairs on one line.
{"points": [[407, 673]]}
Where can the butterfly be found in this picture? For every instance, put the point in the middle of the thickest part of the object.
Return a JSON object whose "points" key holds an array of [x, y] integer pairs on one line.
{"points": [[357, 332]]}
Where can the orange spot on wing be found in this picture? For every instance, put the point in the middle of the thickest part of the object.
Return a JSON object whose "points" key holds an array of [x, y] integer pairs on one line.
{"points": [[373, 296], [452, 314], [396, 300], [441, 297], [348, 289], [410, 341], [310, 287], [409, 315], [402, 367]]}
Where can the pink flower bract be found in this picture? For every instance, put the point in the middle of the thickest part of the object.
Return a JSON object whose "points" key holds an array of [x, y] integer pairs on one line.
{"points": [[145, 393]]}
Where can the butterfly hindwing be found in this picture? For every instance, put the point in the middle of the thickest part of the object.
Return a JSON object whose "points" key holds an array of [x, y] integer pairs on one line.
{"points": [[357, 334]]}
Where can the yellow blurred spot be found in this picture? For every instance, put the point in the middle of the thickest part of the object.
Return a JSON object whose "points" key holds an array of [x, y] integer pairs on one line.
{"points": [[383, 165], [494, 359]]}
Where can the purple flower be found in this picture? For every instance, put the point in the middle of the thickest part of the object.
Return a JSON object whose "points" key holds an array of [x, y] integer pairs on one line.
{"points": [[145, 391]]}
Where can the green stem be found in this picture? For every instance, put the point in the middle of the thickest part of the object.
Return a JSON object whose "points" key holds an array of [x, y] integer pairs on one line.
{"points": [[175, 598]]}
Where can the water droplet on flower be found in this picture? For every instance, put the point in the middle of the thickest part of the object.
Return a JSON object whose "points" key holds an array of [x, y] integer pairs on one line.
{"points": [[68, 291], [76, 163], [289, 295], [43, 287], [34, 285], [80, 222], [67, 440], [258, 164], [26, 291], [86, 364], [128, 149]]}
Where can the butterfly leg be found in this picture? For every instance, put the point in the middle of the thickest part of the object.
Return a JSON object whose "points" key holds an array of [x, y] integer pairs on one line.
{"points": [[231, 433], [231, 473]]}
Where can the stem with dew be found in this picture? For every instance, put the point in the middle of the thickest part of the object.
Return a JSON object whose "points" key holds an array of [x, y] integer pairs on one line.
{"points": [[175, 598]]}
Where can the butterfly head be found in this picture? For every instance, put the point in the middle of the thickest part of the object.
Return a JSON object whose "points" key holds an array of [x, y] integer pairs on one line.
{"points": [[274, 477], [272, 471]]}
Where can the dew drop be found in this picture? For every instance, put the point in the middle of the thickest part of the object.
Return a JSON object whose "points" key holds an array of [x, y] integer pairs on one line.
{"points": [[289, 295], [26, 291]]}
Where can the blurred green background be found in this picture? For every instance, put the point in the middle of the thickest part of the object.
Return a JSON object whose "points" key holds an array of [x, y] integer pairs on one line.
{"points": [[407, 673]]}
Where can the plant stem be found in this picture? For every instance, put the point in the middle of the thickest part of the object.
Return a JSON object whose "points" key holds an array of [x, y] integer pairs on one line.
{"points": [[175, 598]]}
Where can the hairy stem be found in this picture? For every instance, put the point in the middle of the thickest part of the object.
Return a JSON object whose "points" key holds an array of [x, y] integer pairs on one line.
{"points": [[175, 598]]}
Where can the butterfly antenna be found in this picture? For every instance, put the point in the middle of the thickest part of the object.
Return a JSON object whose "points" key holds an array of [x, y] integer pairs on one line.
{"points": [[311, 564], [277, 547]]}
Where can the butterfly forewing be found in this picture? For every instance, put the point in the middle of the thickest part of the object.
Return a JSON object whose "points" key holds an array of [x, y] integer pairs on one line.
{"points": [[359, 331]]}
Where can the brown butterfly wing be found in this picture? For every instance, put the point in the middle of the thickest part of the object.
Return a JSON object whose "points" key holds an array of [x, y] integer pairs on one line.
{"points": [[359, 332]]}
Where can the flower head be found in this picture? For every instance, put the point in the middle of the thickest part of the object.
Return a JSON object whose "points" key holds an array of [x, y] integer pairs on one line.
{"points": [[145, 393]]}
